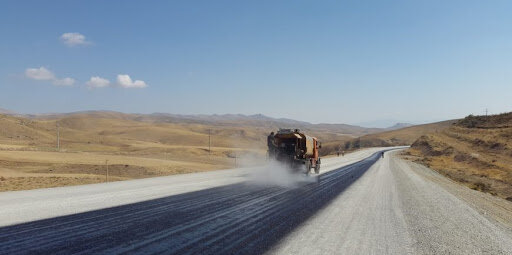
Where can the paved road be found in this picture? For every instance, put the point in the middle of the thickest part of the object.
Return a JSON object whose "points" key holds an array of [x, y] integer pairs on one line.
{"points": [[373, 206], [190, 213], [24, 206]]}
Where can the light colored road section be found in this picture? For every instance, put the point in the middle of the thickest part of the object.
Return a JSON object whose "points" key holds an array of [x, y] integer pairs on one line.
{"points": [[398, 207], [23, 206], [331, 163]]}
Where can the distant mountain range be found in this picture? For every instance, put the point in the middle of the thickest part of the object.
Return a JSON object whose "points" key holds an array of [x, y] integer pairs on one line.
{"points": [[255, 120], [399, 126], [5, 111], [385, 123]]}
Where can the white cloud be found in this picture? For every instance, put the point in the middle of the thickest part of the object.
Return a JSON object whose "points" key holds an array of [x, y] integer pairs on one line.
{"points": [[74, 39], [64, 82], [40, 73], [43, 74], [97, 82], [124, 81]]}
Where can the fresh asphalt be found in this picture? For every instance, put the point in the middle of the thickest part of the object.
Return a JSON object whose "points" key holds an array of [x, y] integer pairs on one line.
{"points": [[240, 218]]}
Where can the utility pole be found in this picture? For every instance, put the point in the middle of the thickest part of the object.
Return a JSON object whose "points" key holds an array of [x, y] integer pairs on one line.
{"points": [[106, 176], [486, 111], [210, 141], [58, 136]]}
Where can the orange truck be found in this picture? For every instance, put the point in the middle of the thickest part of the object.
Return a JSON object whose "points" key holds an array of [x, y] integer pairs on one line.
{"points": [[296, 149]]}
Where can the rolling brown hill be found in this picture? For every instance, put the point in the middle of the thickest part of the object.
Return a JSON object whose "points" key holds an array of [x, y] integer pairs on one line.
{"points": [[475, 151], [402, 136]]}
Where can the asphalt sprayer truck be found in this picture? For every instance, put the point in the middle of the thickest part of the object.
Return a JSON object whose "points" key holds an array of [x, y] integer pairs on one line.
{"points": [[295, 149]]}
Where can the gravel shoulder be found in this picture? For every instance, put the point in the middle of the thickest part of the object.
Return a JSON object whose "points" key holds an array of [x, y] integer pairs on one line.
{"points": [[399, 207], [491, 207]]}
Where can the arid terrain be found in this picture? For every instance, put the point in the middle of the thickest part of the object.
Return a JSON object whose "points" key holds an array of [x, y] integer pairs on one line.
{"points": [[384, 137], [136, 145], [475, 151]]}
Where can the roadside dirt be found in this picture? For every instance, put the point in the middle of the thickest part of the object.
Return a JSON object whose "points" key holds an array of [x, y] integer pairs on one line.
{"points": [[494, 208], [476, 151], [22, 170]]}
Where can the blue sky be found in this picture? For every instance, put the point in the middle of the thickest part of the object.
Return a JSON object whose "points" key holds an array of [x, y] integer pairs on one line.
{"points": [[318, 61]]}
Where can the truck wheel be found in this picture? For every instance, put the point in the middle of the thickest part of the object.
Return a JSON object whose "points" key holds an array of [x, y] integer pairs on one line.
{"points": [[307, 166], [317, 167]]}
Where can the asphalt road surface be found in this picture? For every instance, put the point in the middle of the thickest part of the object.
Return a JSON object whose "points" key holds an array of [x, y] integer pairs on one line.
{"points": [[362, 204]]}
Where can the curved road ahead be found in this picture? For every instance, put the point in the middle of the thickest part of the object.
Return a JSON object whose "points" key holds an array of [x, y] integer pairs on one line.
{"points": [[371, 206]]}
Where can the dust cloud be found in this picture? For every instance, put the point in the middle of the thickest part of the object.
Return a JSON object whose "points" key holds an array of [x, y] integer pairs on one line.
{"points": [[267, 172], [273, 173]]}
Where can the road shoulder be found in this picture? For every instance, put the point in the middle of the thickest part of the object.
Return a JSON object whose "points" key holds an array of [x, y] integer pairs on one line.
{"points": [[492, 207], [445, 217]]}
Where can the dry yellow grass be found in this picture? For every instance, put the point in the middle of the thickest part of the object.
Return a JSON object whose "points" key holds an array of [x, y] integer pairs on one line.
{"points": [[404, 136], [38, 169], [134, 149], [477, 156]]}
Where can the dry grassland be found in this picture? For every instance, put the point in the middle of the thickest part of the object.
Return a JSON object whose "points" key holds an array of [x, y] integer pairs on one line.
{"points": [[475, 151], [136, 146], [134, 149]]}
